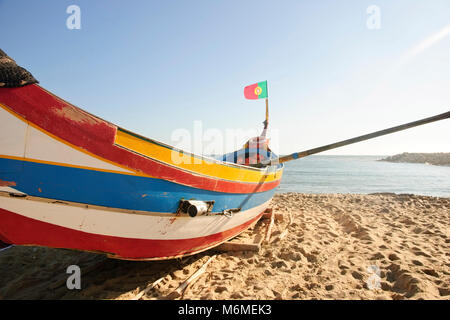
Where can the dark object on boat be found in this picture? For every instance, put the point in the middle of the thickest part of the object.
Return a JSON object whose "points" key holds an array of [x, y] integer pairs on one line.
{"points": [[11, 75]]}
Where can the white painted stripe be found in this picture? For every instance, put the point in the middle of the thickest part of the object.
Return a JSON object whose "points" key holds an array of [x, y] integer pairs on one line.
{"points": [[41, 146], [12, 134], [136, 226], [18, 139]]}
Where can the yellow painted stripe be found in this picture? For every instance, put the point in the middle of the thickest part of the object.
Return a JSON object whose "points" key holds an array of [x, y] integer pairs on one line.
{"points": [[196, 165]]}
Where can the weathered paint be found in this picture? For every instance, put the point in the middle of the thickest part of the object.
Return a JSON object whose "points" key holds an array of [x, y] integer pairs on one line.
{"points": [[51, 149], [97, 137], [7, 183]]}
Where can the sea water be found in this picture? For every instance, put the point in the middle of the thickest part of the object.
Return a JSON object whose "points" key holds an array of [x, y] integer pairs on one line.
{"points": [[363, 174]]}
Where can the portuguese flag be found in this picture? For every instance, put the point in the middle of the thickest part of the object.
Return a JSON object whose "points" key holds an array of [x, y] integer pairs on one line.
{"points": [[256, 91]]}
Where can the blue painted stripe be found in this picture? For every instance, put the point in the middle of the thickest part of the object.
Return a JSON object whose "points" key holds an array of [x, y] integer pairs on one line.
{"points": [[115, 190]]}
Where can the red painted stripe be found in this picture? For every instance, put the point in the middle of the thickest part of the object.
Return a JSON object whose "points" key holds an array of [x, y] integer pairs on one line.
{"points": [[97, 136], [249, 91], [20, 230]]}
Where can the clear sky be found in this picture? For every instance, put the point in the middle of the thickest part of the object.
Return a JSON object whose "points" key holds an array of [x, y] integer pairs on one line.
{"points": [[155, 67]]}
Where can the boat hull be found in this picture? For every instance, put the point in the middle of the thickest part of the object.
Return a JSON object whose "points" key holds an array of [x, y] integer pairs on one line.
{"points": [[71, 180], [122, 235]]}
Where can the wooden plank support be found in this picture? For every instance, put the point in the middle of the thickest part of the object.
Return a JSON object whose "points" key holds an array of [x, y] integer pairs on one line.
{"points": [[290, 219], [258, 240], [269, 228], [183, 287], [236, 246], [280, 236], [150, 287], [285, 232], [267, 214]]}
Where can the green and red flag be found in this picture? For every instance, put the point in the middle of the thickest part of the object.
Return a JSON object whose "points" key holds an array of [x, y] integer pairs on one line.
{"points": [[256, 91]]}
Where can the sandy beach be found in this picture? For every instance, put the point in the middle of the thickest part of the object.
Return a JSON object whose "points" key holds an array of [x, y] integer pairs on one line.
{"points": [[338, 246]]}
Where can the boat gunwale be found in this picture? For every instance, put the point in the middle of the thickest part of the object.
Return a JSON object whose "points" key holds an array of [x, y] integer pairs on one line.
{"points": [[206, 158], [216, 161]]}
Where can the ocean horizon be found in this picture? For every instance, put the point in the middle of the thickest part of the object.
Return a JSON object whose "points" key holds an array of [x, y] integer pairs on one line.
{"points": [[363, 175]]}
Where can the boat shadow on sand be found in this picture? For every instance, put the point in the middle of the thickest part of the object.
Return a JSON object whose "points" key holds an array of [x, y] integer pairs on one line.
{"points": [[41, 273]]}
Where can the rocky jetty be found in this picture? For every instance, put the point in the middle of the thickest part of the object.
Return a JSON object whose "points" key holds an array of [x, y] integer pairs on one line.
{"points": [[439, 158]]}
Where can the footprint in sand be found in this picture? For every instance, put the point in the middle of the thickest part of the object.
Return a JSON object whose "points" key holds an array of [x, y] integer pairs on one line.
{"points": [[430, 272], [419, 252], [357, 275], [377, 256], [443, 292], [393, 257], [417, 263]]}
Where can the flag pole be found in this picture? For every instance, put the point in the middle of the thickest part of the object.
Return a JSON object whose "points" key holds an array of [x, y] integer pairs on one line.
{"points": [[266, 123]]}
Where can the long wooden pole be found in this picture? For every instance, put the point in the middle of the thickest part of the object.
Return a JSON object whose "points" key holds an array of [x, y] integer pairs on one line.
{"points": [[267, 114], [301, 154]]}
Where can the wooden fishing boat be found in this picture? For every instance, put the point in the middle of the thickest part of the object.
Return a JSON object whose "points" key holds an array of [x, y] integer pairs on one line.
{"points": [[69, 179]]}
